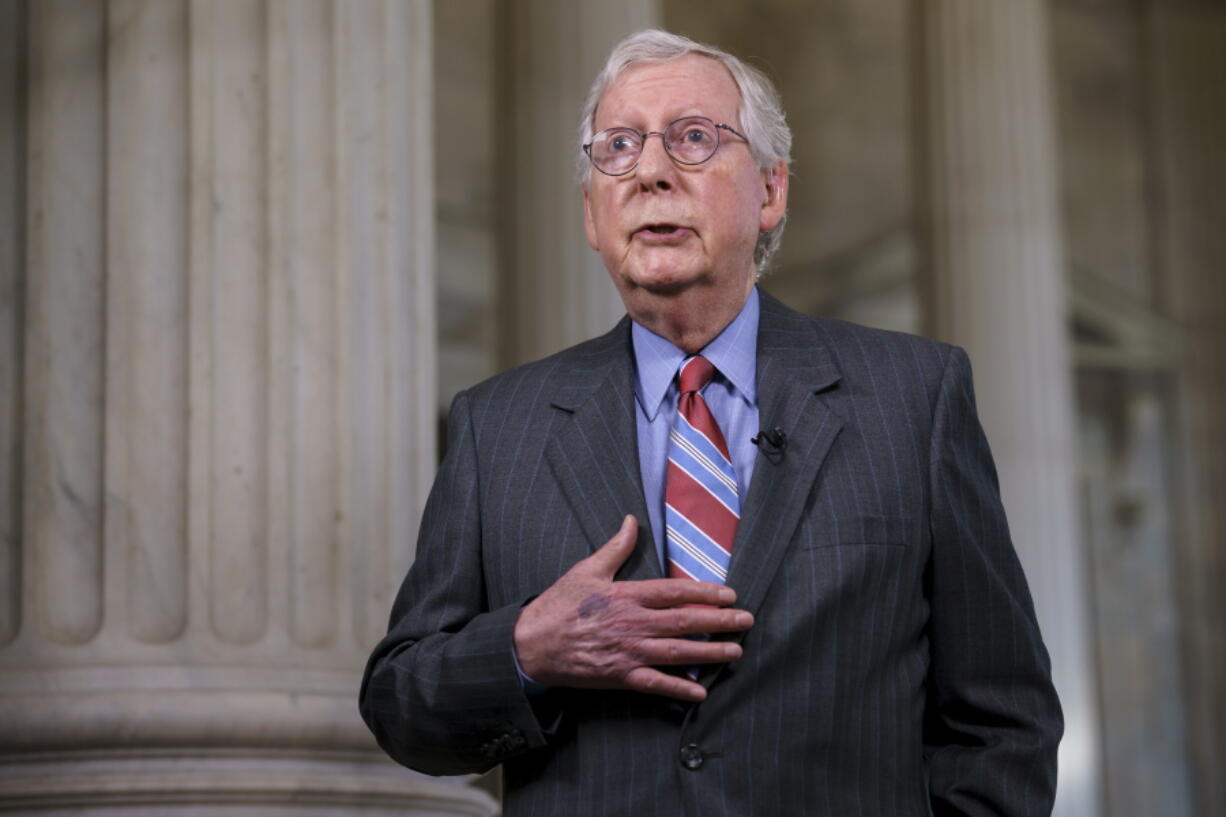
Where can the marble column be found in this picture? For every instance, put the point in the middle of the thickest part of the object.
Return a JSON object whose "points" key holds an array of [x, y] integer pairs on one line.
{"points": [[996, 286], [221, 281], [555, 291], [13, 43], [1185, 46]]}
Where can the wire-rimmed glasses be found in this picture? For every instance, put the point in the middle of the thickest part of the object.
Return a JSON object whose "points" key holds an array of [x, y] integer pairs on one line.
{"points": [[690, 140]]}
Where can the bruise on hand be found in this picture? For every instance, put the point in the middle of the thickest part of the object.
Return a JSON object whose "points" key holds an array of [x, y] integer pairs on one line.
{"points": [[593, 604]]}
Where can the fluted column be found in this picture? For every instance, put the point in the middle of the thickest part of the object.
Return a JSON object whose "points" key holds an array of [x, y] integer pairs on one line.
{"points": [[13, 80], [227, 400], [997, 288], [555, 291], [1188, 61]]}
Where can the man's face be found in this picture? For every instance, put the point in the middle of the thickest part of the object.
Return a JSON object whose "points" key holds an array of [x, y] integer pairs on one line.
{"points": [[665, 227]]}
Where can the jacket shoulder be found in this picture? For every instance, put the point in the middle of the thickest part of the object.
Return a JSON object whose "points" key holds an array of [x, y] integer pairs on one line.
{"points": [[847, 335], [524, 384], [857, 348]]}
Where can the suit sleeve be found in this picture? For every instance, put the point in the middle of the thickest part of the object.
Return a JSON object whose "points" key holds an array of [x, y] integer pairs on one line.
{"points": [[992, 722], [441, 692]]}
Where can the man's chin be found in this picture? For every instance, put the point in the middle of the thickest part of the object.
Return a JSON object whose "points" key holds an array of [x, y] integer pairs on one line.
{"points": [[666, 282]]}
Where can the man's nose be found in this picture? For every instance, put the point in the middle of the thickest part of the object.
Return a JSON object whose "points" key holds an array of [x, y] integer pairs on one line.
{"points": [[656, 167]]}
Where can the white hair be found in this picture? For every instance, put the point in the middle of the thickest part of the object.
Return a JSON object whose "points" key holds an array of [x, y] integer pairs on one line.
{"points": [[761, 112]]}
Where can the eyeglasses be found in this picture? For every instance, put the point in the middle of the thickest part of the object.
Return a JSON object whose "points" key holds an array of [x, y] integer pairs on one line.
{"points": [[690, 140]]}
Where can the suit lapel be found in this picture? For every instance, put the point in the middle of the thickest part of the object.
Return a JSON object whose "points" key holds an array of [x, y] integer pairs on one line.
{"points": [[594, 454], [793, 367]]}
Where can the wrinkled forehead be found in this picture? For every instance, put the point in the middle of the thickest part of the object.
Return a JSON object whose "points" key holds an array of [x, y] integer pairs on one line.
{"points": [[649, 95]]}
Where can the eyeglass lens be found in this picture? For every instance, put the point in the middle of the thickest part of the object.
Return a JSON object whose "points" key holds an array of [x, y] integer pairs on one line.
{"points": [[690, 141]]}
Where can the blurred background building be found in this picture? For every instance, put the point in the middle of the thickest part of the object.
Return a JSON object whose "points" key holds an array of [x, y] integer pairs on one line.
{"points": [[249, 249]]}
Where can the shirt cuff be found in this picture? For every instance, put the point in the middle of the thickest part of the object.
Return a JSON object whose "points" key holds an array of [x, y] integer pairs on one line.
{"points": [[532, 688]]}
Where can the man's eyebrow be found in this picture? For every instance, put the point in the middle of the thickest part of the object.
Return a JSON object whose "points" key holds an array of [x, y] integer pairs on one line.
{"points": [[622, 121]]}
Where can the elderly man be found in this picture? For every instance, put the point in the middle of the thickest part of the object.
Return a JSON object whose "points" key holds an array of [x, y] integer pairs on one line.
{"points": [[727, 558]]}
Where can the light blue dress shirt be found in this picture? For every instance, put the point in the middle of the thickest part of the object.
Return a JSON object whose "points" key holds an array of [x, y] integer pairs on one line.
{"points": [[732, 396]]}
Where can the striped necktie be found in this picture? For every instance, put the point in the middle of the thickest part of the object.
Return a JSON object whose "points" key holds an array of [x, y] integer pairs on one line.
{"points": [[701, 505]]}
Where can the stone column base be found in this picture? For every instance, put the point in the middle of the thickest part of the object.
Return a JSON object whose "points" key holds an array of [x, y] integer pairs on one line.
{"points": [[220, 782]]}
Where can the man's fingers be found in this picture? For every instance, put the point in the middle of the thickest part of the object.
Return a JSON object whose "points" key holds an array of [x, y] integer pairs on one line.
{"points": [[691, 620], [684, 652], [646, 679], [613, 553], [672, 592]]}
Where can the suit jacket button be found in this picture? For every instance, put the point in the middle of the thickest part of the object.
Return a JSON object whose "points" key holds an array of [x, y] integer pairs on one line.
{"points": [[691, 756]]}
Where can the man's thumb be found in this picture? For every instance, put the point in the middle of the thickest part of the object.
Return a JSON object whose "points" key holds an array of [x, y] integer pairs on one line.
{"points": [[613, 553]]}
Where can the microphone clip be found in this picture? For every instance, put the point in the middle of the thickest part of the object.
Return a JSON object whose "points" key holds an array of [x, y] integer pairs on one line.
{"points": [[771, 442]]}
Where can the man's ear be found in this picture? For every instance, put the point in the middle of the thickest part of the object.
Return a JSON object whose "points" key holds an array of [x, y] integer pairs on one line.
{"points": [[589, 224], [776, 202]]}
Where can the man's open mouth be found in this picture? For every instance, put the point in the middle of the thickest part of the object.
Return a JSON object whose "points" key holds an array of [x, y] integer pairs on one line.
{"points": [[663, 229]]}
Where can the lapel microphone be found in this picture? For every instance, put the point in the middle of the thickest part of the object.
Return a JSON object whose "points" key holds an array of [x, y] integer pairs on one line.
{"points": [[771, 442]]}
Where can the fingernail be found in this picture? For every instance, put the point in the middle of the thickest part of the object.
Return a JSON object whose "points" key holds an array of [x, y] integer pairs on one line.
{"points": [[743, 619], [727, 595]]}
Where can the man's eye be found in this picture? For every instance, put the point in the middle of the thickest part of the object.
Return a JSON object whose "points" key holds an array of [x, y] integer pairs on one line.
{"points": [[620, 144], [696, 136]]}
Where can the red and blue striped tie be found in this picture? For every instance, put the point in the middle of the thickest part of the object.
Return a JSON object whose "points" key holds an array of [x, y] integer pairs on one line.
{"points": [[701, 504]]}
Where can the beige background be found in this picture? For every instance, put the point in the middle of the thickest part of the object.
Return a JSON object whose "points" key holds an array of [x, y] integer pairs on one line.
{"points": [[249, 249]]}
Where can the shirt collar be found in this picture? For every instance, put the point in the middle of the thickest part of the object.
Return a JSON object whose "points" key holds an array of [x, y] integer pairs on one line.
{"points": [[734, 352]]}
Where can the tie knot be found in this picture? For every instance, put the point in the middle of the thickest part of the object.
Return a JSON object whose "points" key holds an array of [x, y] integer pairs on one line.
{"points": [[694, 374]]}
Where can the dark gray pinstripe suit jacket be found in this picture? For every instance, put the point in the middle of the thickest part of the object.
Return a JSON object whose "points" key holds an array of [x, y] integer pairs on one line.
{"points": [[895, 665]]}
